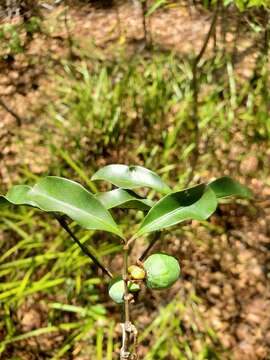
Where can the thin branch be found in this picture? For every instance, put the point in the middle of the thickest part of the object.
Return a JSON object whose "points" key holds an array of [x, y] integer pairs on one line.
{"points": [[195, 91], [11, 112], [236, 38], [144, 12], [72, 55], [142, 5], [84, 249], [209, 34], [224, 28], [266, 36]]}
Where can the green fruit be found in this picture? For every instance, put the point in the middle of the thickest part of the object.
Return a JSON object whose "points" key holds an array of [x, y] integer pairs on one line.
{"points": [[117, 289], [136, 272], [162, 271]]}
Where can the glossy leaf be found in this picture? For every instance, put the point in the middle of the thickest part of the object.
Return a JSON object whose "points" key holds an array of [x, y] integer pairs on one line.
{"points": [[55, 194], [197, 203], [226, 186], [123, 199], [131, 177], [18, 195]]}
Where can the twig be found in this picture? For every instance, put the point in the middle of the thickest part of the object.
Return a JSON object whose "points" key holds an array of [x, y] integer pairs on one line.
{"points": [[194, 86], [224, 26], [266, 36], [84, 249], [208, 35], [236, 39], [142, 5], [19, 120], [72, 55], [144, 12]]}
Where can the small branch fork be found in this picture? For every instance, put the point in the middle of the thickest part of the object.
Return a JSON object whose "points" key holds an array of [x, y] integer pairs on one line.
{"points": [[84, 248]]}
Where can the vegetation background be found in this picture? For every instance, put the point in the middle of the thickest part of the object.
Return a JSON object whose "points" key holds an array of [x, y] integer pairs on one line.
{"points": [[181, 87]]}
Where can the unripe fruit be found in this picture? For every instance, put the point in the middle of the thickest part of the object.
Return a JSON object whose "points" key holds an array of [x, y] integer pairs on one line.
{"points": [[136, 272], [162, 271], [117, 289]]}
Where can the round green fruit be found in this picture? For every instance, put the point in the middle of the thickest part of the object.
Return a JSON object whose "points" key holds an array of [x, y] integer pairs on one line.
{"points": [[136, 272], [162, 271], [117, 289]]}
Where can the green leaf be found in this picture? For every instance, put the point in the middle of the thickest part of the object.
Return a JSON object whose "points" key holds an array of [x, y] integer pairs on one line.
{"points": [[125, 199], [131, 177], [225, 186], [18, 195], [197, 203], [55, 194]]}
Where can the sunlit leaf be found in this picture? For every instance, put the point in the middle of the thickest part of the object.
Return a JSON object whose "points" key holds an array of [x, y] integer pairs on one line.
{"points": [[17, 195], [197, 203], [131, 177], [55, 194]]}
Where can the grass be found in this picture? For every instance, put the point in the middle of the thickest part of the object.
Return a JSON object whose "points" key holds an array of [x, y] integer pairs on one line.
{"points": [[138, 110], [37, 268], [133, 111], [105, 108], [169, 332]]}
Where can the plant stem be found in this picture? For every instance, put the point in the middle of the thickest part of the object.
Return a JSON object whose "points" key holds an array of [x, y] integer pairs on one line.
{"points": [[125, 278], [125, 354], [84, 249], [128, 328]]}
